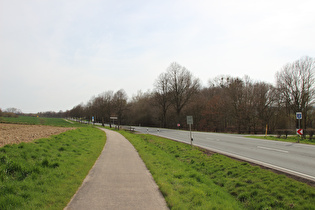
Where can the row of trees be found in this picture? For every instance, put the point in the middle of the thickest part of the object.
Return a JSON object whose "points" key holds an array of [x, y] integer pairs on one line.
{"points": [[10, 112], [228, 104], [102, 107]]}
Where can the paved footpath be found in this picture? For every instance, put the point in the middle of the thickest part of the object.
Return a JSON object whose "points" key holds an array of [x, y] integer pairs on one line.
{"points": [[118, 180]]}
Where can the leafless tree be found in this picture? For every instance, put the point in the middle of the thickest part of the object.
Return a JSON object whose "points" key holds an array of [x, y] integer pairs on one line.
{"points": [[13, 110], [296, 85], [120, 104], [96, 108], [141, 110], [235, 92], [264, 103], [77, 111], [182, 86], [162, 96], [106, 106]]}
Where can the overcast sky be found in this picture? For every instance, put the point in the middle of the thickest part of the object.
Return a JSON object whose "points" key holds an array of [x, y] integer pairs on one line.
{"points": [[55, 54]]}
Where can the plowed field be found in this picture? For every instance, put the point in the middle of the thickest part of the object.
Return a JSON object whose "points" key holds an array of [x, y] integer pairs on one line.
{"points": [[14, 134]]}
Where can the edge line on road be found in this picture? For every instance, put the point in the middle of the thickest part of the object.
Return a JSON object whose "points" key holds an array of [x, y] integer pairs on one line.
{"points": [[272, 149]]}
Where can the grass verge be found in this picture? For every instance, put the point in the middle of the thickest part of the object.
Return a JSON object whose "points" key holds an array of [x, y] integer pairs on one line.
{"points": [[190, 179], [46, 173], [293, 139]]}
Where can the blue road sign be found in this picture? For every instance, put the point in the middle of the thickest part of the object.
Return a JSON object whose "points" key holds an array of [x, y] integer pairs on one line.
{"points": [[299, 115]]}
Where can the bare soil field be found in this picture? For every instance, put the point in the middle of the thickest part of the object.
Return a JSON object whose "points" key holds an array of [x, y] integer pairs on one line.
{"points": [[14, 134]]}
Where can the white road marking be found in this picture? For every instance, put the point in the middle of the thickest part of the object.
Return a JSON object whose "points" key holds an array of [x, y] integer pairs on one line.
{"points": [[215, 139], [272, 149]]}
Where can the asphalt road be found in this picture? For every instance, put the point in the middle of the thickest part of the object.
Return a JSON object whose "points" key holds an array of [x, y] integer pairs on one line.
{"points": [[293, 158]]}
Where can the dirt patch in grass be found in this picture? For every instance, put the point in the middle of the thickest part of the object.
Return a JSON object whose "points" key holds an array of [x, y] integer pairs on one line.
{"points": [[14, 133]]}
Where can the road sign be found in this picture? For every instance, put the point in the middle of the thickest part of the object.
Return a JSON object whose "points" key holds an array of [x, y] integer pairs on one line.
{"points": [[299, 131], [299, 115], [190, 120]]}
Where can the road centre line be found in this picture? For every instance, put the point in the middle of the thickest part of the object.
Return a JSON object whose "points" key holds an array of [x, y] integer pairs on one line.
{"points": [[272, 149], [216, 139]]}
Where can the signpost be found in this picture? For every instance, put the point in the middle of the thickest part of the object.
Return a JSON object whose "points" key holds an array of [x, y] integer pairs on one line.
{"points": [[299, 131], [190, 121], [114, 118]]}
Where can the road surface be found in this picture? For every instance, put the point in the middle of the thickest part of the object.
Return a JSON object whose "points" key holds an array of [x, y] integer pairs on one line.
{"points": [[292, 158]]}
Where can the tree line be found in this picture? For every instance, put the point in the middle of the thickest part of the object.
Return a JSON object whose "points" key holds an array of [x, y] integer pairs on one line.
{"points": [[227, 104]]}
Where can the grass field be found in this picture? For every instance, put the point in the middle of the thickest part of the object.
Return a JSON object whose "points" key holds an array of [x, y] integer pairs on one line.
{"points": [[38, 121], [46, 173], [190, 179]]}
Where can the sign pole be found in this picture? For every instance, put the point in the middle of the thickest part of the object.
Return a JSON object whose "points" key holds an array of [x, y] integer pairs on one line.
{"points": [[299, 128], [266, 130], [300, 131], [190, 134], [190, 121]]}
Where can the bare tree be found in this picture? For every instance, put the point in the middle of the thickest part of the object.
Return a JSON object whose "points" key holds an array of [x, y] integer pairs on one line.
{"points": [[141, 110], [120, 104], [235, 92], [96, 108], [183, 85], [295, 83], [106, 106], [264, 102], [77, 111], [13, 110], [213, 114], [162, 96]]}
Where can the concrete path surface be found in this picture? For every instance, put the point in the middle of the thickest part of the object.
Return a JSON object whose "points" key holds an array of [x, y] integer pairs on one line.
{"points": [[118, 180]]}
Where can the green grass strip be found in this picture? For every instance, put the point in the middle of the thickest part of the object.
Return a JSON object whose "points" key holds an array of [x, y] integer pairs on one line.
{"points": [[190, 179], [27, 120], [293, 139], [46, 173]]}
